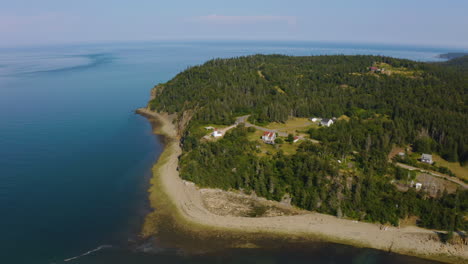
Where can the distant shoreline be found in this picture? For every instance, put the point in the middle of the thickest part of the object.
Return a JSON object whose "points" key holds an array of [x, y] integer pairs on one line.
{"points": [[452, 55], [179, 206]]}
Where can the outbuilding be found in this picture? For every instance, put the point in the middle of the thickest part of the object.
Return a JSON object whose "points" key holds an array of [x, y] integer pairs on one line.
{"points": [[217, 133], [326, 122], [426, 158], [418, 186]]}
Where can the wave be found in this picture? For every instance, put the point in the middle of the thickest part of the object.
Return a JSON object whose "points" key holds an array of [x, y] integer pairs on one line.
{"points": [[94, 60], [88, 252], [37, 62]]}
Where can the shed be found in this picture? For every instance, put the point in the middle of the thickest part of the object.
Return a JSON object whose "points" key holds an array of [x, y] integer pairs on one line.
{"points": [[426, 158], [326, 122]]}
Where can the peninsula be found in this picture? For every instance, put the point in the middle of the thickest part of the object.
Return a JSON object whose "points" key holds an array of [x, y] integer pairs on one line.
{"points": [[309, 148]]}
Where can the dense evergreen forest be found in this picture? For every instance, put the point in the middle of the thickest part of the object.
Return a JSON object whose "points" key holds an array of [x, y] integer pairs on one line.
{"points": [[431, 102], [411, 103]]}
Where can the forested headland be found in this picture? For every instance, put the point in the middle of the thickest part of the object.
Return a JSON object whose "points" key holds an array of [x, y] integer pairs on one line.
{"points": [[348, 173]]}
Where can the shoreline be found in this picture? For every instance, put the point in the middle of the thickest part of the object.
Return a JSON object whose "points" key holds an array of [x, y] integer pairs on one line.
{"points": [[179, 206]]}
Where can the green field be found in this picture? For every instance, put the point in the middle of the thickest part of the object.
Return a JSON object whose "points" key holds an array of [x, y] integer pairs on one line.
{"points": [[266, 149], [292, 125], [455, 167]]}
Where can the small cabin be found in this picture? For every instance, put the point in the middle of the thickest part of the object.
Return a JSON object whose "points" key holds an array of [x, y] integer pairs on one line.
{"points": [[426, 158], [296, 139], [326, 122], [269, 137], [418, 186], [216, 134], [376, 69]]}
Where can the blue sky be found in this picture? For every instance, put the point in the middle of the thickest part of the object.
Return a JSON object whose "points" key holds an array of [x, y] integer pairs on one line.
{"points": [[427, 22]]}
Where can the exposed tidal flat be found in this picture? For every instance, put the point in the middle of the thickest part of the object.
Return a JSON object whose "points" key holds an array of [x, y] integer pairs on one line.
{"points": [[75, 161], [180, 220]]}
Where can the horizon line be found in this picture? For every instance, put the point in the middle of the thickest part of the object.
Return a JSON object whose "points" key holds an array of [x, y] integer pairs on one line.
{"points": [[461, 47]]}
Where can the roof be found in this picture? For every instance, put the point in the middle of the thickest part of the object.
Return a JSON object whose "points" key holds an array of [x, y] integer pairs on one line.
{"points": [[373, 68], [268, 134], [296, 137], [426, 156], [325, 120]]}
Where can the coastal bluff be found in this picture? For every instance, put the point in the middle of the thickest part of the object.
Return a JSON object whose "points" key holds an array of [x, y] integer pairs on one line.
{"points": [[184, 201]]}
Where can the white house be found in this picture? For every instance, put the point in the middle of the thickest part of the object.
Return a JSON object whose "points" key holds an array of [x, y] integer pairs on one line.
{"points": [[269, 137], [216, 134], [418, 186], [326, 122], [427, 158]]}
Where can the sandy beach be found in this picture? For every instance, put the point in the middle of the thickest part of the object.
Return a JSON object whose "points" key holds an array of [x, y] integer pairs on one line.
{"points": [[188, 203]]}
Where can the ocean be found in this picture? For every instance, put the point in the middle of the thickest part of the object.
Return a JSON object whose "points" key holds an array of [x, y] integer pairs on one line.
{"points": [[75, 159]]}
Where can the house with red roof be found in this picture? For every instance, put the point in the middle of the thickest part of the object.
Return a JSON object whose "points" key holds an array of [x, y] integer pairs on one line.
{"points": [[269, 137], [376, 69]]}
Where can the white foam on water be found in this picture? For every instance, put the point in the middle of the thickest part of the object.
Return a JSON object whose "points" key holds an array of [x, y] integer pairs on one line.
{"points": [[88, 252]]}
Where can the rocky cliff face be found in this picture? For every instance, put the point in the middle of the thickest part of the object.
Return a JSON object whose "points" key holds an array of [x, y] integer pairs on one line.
{"points": [[180, 120], [156, 89]]}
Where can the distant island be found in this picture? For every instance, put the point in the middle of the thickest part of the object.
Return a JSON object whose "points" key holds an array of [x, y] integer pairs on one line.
{"points": [[452, 55], [362, 150]]}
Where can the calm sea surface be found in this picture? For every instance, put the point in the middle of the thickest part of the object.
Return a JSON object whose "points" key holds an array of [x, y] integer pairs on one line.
{"points": [[75, 159]]}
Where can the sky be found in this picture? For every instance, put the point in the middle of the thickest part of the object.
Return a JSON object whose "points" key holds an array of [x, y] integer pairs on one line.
{"points": [[418, 22]]}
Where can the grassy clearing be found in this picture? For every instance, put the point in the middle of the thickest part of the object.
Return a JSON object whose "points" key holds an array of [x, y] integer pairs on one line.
{"points": [[389, 70], [276, 87], [455, 167], [279, 90], [268, 149], [260, 74], [200, 131], [344, 117], [288, 148], [293, 125]]}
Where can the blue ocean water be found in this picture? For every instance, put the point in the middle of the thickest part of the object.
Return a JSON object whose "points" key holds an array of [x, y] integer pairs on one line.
{"points": [[75, 159]]}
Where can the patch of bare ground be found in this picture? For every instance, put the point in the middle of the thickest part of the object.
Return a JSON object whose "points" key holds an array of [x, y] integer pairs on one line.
{"points": [[227, 203], [395, 150], [434, 185], [409, 221]]}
